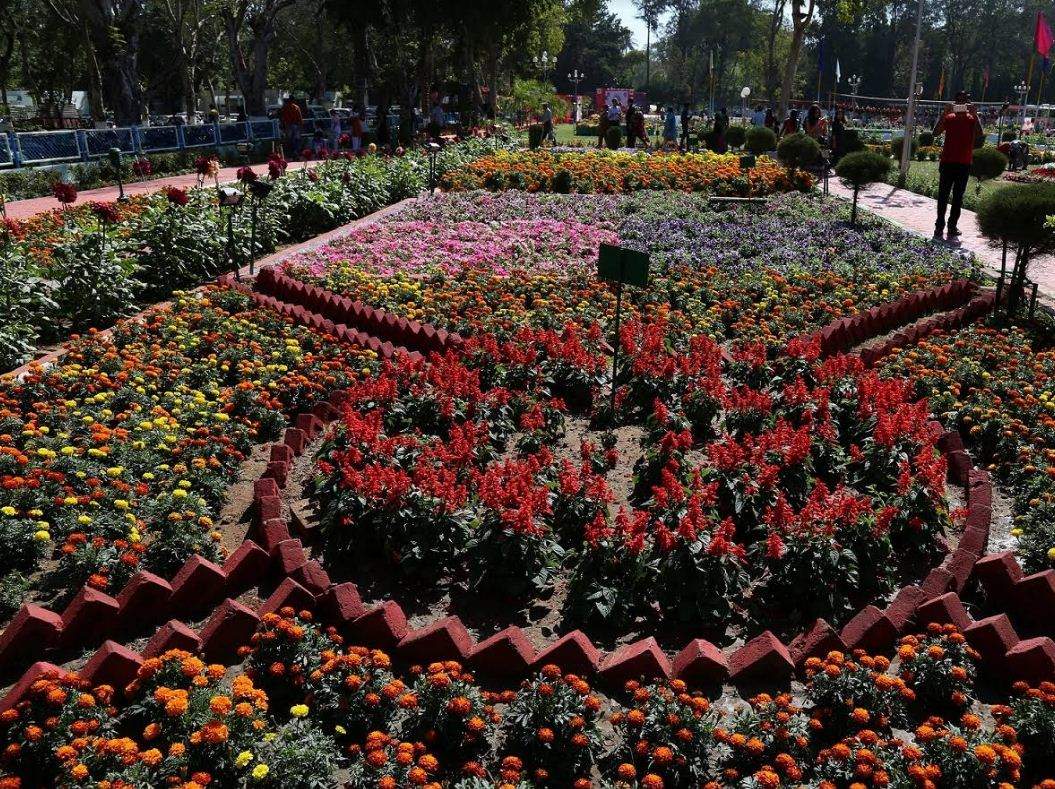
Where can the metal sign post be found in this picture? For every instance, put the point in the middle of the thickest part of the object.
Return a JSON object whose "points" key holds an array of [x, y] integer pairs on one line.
{"points": [[621, 266]]}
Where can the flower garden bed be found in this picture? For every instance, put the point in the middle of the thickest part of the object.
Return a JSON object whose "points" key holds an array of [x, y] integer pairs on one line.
{"points": [[116, 467], [75, 268], [612, 172], [300, 708], [736, 275], [743, 455]]}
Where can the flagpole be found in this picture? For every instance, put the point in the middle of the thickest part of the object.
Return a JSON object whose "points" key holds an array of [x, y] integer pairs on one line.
{"points": [[1029, 83]]}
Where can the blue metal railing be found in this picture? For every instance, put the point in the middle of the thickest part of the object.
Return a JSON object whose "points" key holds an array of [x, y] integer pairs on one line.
{"points": [[53, 147]]}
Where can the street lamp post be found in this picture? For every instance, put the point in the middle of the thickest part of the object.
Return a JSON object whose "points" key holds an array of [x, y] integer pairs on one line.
{"points": [[576, 77], [910, 112], [1022, 89], [855, 84], [543, 62]]}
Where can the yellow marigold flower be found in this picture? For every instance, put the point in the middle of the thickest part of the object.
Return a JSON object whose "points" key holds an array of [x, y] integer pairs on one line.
{"points": [[298, 710], [260, 772], [242, 759]]}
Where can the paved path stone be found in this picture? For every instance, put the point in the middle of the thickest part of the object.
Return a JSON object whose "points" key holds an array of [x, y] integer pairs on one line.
{"points": [[23, 209], [917, 213]]}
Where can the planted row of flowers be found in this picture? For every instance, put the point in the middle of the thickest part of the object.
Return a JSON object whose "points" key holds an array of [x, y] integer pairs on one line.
{"points": [[612, 172], [753, 478], [995, 387], [305, 710], [119, 456], [87, 266], [492, 263]]}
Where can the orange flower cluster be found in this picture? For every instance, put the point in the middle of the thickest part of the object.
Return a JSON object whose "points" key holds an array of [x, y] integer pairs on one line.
{"points": [[616, 172]]}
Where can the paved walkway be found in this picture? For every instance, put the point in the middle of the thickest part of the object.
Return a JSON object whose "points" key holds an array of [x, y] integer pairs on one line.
{"points": [[23, 209], [917, 213]]}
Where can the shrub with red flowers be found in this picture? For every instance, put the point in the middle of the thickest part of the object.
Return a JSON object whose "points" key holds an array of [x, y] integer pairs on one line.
{"points": [[552, 725], [177, 196], [106, 213], [867, 761], [142, 167], [667, 731], [65, 193], [1032, 716], [755, 477], [246, 174], [276, 165], [939, 666], [384, 762], [855, 693], [970, 755], [767, 740], [451, 714]]}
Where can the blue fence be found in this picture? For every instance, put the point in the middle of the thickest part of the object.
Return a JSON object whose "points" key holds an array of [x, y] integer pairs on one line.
{"points": [[53, 147]]}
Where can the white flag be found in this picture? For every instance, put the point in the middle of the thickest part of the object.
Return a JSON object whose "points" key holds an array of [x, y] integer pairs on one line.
{"points": [[838, 73]]}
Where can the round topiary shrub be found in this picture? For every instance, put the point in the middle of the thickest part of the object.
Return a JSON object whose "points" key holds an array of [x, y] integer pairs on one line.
{"points": [[860, 169], [988, 163], [798, 150], [926, 139], [1009, 136], [760, 140], [1017, 216], [613, 138], [562, 181], [534, 135], [736, 136]]}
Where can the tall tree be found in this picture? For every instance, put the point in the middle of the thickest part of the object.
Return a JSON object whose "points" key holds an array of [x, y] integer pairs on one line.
{"points": [[250, 27], [648, 11], [801, 16]]}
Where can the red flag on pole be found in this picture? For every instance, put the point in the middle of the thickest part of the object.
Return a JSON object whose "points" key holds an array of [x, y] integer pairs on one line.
{"points": [[1042, 36]]}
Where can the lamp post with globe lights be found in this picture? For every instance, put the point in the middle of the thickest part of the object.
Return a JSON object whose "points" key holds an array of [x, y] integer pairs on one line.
{"points": [[576, 77]]}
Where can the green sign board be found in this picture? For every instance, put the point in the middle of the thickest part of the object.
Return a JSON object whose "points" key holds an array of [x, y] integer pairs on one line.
{"points": [[619, 264]]}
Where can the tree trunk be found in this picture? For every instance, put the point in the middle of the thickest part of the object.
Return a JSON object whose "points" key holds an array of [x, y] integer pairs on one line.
{"points": [[113, 34], [771, 50], [800, 20]]}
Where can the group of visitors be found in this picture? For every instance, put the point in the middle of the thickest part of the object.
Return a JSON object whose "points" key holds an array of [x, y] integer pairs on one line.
{"points": [[632, 123], [291, 122]]}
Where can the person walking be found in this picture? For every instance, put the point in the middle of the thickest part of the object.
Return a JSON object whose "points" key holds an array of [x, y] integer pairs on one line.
{"points": [[335, 131], [771, 121], [356, 130], [838, 136], [291, 119], [816, 125], [602, 126], [547, 125], [791, 124], [640, 130], [758, 117], [960, 125], [686, 124], [721, 126], [670, 128], [631, 125], [437, 120]]}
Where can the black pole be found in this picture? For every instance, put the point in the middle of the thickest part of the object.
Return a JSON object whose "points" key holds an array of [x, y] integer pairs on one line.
{"points": [[615, 348], [252, 239], [230, 244], [1033, 303]]}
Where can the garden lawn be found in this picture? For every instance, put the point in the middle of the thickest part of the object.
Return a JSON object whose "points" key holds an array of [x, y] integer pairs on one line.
{"points": [[923, 180]]}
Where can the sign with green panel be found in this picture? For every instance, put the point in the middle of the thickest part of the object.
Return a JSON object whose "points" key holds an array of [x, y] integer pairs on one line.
{"points": [[622, 265]]}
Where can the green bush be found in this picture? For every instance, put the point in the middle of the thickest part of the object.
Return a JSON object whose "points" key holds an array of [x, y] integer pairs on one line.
{"points": [[735, 136], [613, 138], [1016, 215], [761, 140], [852, 141], [988, 163], [860, 169], [587, 130], [798, 150], [926, 139], [896, 143], [534, 135], [1008, 136]]}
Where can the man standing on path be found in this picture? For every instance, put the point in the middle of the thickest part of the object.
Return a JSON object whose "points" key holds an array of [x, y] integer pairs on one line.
{"points": [[961, 127], [291, 119]]}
